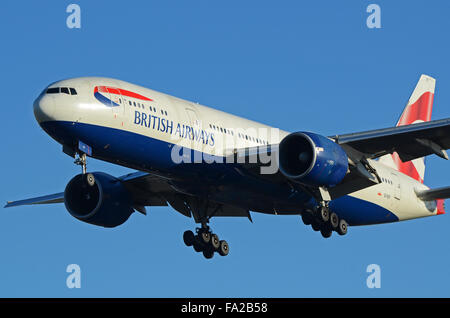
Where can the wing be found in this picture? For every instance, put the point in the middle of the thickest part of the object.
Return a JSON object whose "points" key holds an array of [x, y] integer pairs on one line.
{"points": [[46, 199], [410, 141], [434, 194], [149, 189]]}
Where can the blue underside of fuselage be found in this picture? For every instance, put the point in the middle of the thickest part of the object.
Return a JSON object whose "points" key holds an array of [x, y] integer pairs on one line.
{"points": [[231, 185]]}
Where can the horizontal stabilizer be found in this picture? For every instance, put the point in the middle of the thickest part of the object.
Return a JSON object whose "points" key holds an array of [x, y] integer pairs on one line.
{"points": [[433, 194], [46, 199]]}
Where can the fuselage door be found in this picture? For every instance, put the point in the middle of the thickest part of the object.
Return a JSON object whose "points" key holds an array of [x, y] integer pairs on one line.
{"points": [[193, 118], [195, 130], [397, 186], [116, 101]]}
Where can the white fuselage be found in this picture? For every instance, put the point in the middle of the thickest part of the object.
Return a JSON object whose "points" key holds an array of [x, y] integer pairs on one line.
{"points": [[166, 119]]}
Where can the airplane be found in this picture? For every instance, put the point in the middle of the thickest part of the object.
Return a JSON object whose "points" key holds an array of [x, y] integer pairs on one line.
{"points": [[206, 163]]}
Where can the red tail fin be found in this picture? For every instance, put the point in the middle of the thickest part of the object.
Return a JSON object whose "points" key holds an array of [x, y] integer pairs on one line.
{"points": [[418, 109], [440, 206]]}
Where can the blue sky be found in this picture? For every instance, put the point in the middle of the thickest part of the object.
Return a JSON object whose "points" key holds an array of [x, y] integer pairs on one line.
{"points": [[295, 65]]}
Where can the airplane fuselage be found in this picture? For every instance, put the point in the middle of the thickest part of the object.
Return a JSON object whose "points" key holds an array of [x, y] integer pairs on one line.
{"points": [[142, 129]]}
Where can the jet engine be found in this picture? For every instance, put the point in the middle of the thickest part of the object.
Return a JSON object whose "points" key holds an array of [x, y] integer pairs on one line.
{"points": [[99, 199], [312, 159]]}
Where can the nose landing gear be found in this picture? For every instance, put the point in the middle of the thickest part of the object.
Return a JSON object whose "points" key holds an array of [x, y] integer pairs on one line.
{"points": [[81, 161], [206, 242]]}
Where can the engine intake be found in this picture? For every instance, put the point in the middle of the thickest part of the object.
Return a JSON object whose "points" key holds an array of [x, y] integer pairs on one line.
{"points": [[98, 198], [312, 159]]}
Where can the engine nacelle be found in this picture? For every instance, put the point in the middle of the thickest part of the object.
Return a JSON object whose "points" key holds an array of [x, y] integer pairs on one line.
{"points": [[312, 159], [101, 200]]}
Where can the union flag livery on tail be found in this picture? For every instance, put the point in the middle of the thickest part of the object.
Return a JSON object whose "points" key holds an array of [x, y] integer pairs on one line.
{"points": [[206, 163], [418, 109]]}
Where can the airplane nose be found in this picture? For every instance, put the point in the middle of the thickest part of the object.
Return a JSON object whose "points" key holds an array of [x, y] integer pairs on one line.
{"points": [[44, 107]]}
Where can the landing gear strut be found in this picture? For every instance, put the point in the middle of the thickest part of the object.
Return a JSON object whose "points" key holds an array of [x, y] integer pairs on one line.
{"points": [[206, 242], [325, 221], [81, 161]]}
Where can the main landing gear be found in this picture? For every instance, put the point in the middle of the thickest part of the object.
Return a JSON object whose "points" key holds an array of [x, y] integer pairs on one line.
{"points": [[206, 242], [325, 221]]}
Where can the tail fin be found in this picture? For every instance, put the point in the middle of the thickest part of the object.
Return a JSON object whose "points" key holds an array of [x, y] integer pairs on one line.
{"points": [[418, 109]]}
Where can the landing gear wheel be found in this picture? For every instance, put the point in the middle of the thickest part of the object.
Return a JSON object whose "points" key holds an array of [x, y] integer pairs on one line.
{"points": [[189, 238], [306, 218], [208, 252], [315, 225], [198, 247], [223, 248], [90, 179], [324, 214], [334, 221], [342, 228], [215, 243], [326, 233], [205, 237]]}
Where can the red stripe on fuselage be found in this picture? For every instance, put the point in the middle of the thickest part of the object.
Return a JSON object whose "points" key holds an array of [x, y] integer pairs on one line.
{"points": [[119, 91]]}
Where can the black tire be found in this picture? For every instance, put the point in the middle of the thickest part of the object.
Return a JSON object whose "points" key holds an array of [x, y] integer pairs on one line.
{"points": [[215, 242], [208, 252], [197, 244], [326, 233], [90, 179], [188, 238], [315, 225], [334, 221], [343, 227], [306, 218], [205, 237], [324, 214], [197, 247], [224, 249]]}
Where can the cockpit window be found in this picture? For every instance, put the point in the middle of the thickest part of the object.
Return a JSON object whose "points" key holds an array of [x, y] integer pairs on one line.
{"points": [[53, 90], [63, 90]]}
